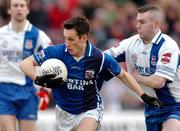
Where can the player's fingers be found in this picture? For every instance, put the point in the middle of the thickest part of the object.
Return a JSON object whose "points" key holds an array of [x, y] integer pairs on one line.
{"points": [[156, 103], [48, 76]]}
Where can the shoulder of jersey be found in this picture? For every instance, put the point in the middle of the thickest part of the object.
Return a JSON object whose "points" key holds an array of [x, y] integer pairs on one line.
{"points": [[168, 38], [134, 37], [3, 28], [169, 41]]}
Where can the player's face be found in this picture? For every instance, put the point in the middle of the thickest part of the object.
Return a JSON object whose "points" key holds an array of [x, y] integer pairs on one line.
{"points": [[145, 26], [74, 43], [18, 10]]}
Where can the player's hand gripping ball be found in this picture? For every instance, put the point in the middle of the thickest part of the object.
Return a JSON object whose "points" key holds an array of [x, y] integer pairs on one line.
{"points": [[54, 66], [52, 72]]}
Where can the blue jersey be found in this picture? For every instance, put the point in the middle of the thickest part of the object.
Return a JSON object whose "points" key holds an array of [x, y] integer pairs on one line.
{"points": [[81, 91]]}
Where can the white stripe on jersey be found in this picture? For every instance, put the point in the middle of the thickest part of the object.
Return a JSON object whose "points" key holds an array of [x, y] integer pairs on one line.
{"points": [[102, 63]]}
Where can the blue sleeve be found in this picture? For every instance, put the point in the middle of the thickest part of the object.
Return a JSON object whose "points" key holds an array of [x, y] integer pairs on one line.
{"points": [[49, 52], [110, 68], [121, 57]]}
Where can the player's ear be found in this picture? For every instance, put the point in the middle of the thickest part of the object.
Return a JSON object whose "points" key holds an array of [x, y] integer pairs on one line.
{"points": [[84, 38], [156, 24], [9, 11], [28, 11]]}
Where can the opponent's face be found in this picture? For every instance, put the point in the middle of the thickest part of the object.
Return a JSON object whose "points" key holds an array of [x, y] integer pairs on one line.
{"points": [[145, 26], [18, 10], [74, 43]]}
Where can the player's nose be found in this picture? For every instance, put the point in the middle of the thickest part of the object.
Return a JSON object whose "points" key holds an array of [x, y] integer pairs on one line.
{"points": [[138, 25], [68, 45]]}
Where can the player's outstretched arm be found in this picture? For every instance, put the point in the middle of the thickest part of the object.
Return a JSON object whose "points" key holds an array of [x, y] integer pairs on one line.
{"points": [[127, 79]]}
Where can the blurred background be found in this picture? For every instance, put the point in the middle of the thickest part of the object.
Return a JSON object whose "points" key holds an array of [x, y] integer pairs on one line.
{"points": [[111, 21]]}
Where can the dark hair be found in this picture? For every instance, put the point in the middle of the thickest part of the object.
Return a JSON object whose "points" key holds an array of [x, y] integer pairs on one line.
{"points": [[9, 3], [79, 24], [147, 8]]}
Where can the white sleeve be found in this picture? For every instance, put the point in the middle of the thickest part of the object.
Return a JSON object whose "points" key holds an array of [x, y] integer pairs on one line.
{"points": [[168, 62], [43, 40], [118, 48]]}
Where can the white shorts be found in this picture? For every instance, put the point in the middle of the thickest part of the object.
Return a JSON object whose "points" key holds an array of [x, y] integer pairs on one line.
{"points": [[66, 121]]}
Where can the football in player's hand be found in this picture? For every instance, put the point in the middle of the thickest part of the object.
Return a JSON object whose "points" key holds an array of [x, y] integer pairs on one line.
{"points": [[54, 66]]}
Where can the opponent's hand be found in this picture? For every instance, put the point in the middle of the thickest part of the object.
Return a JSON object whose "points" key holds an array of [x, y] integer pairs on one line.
{"points": [[151, 100], [47, 81], [43, 99]]}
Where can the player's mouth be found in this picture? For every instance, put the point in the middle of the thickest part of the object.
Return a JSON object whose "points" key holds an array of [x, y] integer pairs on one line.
{"points": [[19, 13], [70, 51], [139, 32]]}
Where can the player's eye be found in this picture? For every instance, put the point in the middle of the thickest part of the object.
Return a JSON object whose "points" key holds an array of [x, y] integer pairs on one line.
{"points": [[22, 6], [15, 5], [142, 22], [71, 39]]}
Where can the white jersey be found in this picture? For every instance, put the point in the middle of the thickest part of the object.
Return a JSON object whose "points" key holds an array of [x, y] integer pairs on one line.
{"points": [[159, 58], [16, 46]]}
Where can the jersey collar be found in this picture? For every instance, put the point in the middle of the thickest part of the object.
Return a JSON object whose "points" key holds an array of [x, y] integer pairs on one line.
{"points": [[157, 37], [88, 49], [27, 26], [88, 52]]}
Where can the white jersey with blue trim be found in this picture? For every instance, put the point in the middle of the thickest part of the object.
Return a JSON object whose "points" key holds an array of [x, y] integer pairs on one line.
{"points": [[160, 57], [80, 92], [16, 46]]}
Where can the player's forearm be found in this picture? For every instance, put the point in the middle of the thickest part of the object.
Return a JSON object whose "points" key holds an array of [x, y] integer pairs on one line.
{"points": [[131, 83], [28, 68], [152, 81]]}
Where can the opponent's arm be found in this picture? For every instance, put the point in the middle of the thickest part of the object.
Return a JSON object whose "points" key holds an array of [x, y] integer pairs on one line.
{"points": [[127, 79], [152, 81]]}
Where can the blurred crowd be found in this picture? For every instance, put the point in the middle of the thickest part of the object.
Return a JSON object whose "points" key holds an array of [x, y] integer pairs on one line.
{"points": [[111, 21]]}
